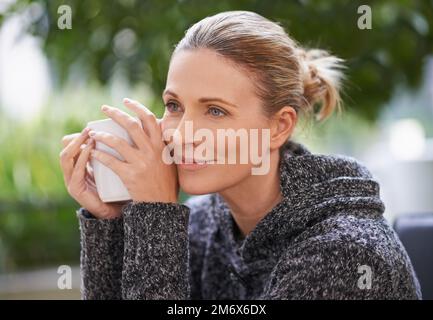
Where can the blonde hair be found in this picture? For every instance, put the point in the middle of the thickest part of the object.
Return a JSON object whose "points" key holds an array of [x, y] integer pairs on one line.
{"points": [[284, 73]]}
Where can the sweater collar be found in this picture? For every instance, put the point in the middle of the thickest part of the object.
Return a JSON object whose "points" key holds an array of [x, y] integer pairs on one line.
{"points": [[314, 187]]}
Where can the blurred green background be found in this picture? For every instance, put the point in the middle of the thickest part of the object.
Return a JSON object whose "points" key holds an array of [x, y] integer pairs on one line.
{"points": [[119, 49]]}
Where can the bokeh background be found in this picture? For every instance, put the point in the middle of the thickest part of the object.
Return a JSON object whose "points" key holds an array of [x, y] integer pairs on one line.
{"points": [[53, 81]]}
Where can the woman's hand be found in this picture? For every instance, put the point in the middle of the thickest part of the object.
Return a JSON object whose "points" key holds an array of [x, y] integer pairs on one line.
{"points": [[143, 171], [79, 179]]}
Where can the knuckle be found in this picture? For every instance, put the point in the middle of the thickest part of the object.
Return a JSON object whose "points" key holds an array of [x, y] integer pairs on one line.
{"points": [[71, 190], [65, 140], [106, 137], [136, 127], [150, 117], [134, 124], [142, 167], [63, 155]]}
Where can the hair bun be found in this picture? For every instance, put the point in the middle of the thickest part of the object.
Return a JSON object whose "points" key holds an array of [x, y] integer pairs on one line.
{"points": [[322, 75]]}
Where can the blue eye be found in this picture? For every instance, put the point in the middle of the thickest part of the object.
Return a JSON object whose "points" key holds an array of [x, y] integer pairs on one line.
{"points": [[215, 112], [172, 107]]}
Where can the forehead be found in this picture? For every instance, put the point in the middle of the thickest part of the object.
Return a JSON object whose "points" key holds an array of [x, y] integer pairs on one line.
{"points": [[202, 72]]}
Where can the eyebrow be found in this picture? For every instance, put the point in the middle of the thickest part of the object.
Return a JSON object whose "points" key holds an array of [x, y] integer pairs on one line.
{"points": [[202, 100]]}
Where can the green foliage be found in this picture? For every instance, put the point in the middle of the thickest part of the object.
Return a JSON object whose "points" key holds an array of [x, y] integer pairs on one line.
{"points": [[391, 53], [34, 235]]}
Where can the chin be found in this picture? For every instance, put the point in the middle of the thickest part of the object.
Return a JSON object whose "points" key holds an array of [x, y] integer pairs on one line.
{"points": [[203, 181], [195, 186]]}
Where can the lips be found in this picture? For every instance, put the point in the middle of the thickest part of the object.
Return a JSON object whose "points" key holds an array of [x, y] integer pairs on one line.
{"points": [[194, 166], [182, 160], [193, 161]]}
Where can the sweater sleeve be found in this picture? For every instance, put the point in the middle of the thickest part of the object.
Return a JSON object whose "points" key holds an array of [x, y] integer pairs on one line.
{"points": [[333, 271], [155, 261], [101, 256]]}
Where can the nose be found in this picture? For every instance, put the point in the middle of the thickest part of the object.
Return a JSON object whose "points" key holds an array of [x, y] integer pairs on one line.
{"points": [[184, 132], [182, 138]]}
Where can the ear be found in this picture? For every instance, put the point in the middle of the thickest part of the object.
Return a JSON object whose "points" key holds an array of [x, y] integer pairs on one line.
{"points": [[282, 126]]}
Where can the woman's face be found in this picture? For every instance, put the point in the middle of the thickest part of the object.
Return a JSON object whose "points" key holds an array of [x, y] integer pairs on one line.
{"points": [[205, 91]]}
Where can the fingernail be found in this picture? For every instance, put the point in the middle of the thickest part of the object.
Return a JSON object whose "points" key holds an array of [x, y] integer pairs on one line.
{"points": [[104, 108], [127, 100], [92, 133], [85, 129]]}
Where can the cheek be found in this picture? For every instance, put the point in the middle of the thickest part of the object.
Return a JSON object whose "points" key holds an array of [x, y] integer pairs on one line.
{"points": [[239, 148]]}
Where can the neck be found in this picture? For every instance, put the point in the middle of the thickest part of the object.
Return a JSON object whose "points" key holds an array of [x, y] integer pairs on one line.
{"points": [[248, 203]]}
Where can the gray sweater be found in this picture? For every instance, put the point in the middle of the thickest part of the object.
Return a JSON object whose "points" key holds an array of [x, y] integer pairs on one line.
{"points": [[327, 239]]}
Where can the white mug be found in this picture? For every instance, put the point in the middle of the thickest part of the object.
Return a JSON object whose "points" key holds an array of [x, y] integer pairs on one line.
{"points": [[108, 184]]}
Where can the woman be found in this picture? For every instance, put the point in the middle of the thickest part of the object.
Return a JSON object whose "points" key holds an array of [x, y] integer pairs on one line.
{"points": [[311, 227]]}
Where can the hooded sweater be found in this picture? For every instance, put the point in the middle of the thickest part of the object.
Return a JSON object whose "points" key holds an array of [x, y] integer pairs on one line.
{"points": [[326, 239]]}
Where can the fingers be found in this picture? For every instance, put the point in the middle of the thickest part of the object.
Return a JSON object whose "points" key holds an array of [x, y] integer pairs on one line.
{"points": [[68, 138], [118, 144], [74, 145], [109, 161], [68, 153], [149, 121], [90, 181], [90, 171], [80, 167], [130, 124], [89, 176]]}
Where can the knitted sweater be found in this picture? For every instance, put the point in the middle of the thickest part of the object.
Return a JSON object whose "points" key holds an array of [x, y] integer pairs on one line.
{"points": [[327, 239]]}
